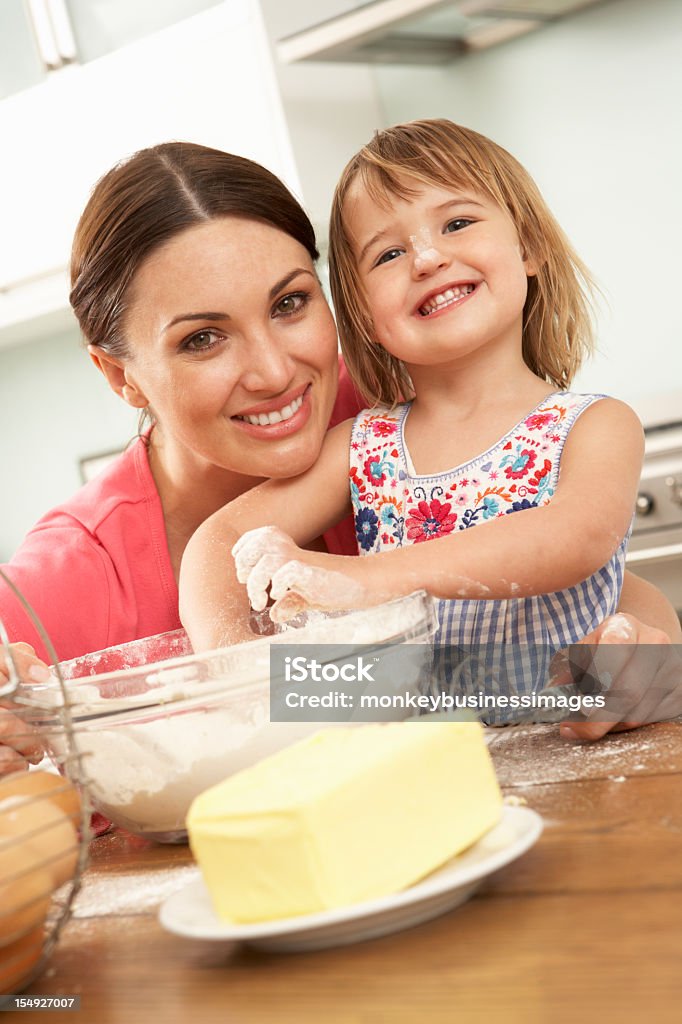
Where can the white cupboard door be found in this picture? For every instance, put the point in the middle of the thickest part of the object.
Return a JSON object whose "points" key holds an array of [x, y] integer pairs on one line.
{"points": [[208, 79]]}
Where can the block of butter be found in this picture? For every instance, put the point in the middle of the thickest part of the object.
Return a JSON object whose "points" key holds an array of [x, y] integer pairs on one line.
{"points": [[348, 814]]}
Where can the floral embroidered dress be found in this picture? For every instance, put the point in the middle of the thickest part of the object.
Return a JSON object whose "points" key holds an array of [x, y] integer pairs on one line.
{"points": [[513, 639]]}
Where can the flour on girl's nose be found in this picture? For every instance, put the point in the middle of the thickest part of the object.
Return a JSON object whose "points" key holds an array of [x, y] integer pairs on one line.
{"points": [[422, 244]]}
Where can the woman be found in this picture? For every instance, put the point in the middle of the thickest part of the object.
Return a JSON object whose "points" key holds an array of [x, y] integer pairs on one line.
{"points": [[156, 269], [194, 285]]}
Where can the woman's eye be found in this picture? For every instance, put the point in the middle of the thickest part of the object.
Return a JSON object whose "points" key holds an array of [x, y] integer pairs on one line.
{"points": [[386, 257], [290, 304], [202, 341], [457, 225]]}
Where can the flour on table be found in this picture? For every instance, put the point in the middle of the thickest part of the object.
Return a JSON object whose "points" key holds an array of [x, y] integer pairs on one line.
{"points": [[129, 892]]}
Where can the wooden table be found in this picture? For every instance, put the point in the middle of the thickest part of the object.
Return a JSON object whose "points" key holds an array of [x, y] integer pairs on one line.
{"points": [[587, 926]]}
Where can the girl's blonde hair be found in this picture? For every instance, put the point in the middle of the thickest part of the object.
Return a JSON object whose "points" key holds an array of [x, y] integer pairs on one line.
{"points": [[557, 316]]}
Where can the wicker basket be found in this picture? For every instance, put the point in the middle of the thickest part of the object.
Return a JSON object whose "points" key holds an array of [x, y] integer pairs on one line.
{"points": [[44, 832]]}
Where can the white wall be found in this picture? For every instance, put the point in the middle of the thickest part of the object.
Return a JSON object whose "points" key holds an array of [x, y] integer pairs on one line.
{"points": [[56, 408], [591, 105]]}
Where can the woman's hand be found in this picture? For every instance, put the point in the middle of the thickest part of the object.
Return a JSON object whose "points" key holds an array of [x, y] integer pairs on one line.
{"points": [[273, 566], [19, 744], [643, 671]]}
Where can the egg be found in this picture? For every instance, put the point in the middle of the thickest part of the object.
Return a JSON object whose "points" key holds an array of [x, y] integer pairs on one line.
{"points": [[46, 829], [18, 959], [25, 890], [60, 791]]}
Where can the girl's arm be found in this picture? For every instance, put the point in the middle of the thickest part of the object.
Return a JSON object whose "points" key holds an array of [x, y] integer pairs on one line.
{"points": [[214, 607], [555, 546], [537, 551]]}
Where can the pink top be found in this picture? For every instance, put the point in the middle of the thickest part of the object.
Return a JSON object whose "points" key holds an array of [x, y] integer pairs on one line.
{"points": [[97, 569]]}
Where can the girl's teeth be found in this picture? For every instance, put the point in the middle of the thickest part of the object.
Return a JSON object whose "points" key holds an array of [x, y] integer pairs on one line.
{"points": [[445, 298], [266, 419]]}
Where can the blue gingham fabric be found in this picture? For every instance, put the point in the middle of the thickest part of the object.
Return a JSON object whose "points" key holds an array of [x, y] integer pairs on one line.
{"points": [[503, 645]]}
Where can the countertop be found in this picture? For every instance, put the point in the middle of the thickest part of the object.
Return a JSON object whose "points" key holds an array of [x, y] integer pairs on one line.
{"points": [[586, 926]]}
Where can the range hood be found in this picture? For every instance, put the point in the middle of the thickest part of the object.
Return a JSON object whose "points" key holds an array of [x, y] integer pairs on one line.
{"points": [[421, 31]]}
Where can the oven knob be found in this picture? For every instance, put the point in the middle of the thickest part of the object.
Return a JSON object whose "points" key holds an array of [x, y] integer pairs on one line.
{"points": [[644, 505], [675, 486]]}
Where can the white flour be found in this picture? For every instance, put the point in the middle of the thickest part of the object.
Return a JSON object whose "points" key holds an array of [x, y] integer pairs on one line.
{"points": [[130, 893], [617, 628], [144, 776], [536, 755]]}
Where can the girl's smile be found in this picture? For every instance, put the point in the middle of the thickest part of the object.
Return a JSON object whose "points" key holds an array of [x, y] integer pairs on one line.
{"points": [[443, 299]]}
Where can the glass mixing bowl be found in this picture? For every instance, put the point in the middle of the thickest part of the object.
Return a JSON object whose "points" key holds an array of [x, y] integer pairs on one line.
{"points": [[156, 724]]}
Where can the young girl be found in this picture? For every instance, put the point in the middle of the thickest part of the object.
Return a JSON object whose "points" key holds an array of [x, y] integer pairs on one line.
{"points": [[455, 289]]}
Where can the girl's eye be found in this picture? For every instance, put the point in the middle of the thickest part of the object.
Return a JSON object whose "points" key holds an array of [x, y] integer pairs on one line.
{"points": [[457, 225], [386, 257], [202, 341], [288, 305]]}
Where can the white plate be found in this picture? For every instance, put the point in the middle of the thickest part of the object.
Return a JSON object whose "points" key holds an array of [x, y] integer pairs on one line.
{"points": [[189, 912]]}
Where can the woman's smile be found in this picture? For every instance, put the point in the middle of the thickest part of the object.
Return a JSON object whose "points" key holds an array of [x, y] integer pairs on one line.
{"points": [[277, 417]]}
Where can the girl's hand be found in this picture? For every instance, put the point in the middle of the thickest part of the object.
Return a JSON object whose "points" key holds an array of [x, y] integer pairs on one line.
{"points": [[271, 564], [298, 587], [19, 744], [258, 555], [643, 671]]}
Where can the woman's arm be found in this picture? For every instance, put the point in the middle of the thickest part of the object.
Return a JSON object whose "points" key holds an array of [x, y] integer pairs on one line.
{"points": [[537, 551], [644, 667], [214, 606]]}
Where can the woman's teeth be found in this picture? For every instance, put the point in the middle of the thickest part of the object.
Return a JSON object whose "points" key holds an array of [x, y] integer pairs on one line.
{"points": [[446, 298], [266, 419]]}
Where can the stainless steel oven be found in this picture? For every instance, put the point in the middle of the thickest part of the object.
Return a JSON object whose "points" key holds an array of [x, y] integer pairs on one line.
{"points": [[655, 550]]}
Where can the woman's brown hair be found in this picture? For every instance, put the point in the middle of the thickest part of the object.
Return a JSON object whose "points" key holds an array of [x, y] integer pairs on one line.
{"points": [[557, 319], [145, 201]]}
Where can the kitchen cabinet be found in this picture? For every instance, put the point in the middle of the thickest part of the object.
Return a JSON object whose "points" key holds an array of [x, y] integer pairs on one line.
{"points": [[20, 63], [101, 26], [206, 79], [37, 36]]}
